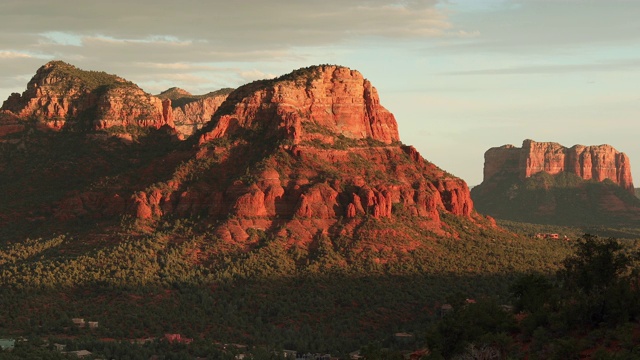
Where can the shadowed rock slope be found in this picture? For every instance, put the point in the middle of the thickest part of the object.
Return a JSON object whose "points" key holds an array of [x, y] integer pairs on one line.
{"points": [[192, 112], [548, 183]]}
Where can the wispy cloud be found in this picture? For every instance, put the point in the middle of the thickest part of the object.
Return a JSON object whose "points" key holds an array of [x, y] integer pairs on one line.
{"points": [[13, 55], [160, 37], [620, 65], [531, 26], [254, 74]]}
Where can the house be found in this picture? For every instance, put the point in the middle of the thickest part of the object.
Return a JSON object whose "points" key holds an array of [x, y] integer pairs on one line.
{"points": [[507, 308], [78, 322], [355, 355], [92, 324], [59, 347], [309, 356], [80, 353], [7, 344], [177, 338], [403, 338], [417, 355], [548, 236]]}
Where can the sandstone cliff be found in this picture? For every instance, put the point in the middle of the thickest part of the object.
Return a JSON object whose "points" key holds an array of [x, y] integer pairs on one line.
{"points": [[588, 162], [545, 182], [308, 155], [312, 104], [192, 112], [63, 96], [328, 151]]}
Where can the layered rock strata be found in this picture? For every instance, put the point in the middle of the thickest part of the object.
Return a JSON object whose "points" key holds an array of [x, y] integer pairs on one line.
{"points": [[190, 112], [63, 96], [313, 106], [588, 162], [310, 154]]}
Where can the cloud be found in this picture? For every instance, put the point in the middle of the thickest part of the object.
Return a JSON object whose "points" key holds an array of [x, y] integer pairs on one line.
{"points": [[161, 37], [620, 65], [253, 24], [14, 55], [254, 74], [530, 26]]}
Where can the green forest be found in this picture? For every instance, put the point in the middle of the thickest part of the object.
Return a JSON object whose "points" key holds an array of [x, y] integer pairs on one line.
{"points": [[181, 279]]}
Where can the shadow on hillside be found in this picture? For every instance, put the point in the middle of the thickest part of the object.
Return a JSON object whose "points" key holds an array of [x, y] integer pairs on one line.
{"points": [[52, 167], [337, 313]]}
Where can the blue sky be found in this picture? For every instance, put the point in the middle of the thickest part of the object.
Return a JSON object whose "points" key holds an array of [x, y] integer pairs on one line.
{"points": [[461, 76]]}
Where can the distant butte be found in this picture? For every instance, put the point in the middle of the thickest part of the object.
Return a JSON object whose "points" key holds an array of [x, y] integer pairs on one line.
{"points": [[598, 162], [547, 183]]}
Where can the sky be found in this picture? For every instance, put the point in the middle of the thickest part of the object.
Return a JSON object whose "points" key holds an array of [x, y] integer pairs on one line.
{"points": [[460, 76]]}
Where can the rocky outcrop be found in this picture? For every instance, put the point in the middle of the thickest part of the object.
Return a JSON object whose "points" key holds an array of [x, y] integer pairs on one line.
{"points": [[192, 113], [547, 183], [63, 96], [9, 123], [588, 162], [328, 151], [379, 182], [310, 154], [312, 104]]}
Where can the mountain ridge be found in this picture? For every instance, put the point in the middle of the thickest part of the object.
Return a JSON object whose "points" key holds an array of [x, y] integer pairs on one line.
{"points": [[61, 96]]}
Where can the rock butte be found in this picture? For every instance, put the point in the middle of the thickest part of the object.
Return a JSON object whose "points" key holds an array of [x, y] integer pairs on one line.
{"points": [[588, 162], [311, 112], [308, 154]]}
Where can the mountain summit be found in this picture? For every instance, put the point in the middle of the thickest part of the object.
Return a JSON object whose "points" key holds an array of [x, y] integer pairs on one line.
{"points": [[310, 104], [312, 152], [62, 96]]}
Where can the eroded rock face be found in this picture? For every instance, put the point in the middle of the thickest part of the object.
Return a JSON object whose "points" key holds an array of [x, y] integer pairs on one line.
{"points": [[588, 162], [9, 123], [63, 96], [192, 116], [296, 193], [314, 106], [308, 155], [336, 159]]}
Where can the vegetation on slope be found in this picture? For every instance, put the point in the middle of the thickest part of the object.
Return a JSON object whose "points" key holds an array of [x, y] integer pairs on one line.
{"points": [[588, 309], [563, 199], [88, 80], [180, 279]]}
